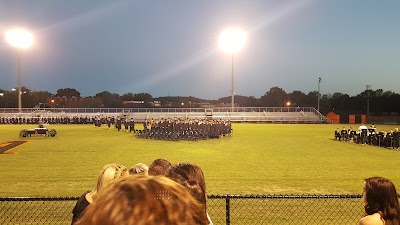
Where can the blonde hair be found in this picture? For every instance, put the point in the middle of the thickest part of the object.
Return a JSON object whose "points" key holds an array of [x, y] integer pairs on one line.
{"points": [[108, 173], [139, 168], [144, 200]]}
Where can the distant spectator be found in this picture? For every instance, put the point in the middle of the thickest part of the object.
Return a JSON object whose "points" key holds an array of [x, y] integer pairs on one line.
{"points": [[108, 173], [192, 178], [362, 127], [139, 168], [380, 202], [159, 167], [396, 138], [144, 200]]}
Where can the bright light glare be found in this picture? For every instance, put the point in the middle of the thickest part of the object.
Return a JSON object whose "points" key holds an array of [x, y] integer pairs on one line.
{"points": [[232, 40], [19, 38]]}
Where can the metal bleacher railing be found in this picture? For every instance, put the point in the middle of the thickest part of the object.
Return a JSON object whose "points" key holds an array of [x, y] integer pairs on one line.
{"points": [[223, 209], [239, 114]]}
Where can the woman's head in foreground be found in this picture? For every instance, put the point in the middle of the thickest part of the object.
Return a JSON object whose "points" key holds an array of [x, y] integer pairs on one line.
{"points": [[142, 200], [380, 196]]}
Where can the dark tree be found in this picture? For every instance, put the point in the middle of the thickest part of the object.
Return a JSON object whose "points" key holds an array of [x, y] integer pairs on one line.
{"points": [[298, 98], [41, 96], [128, 97], [275, 97], [146, 97], [68, 92], [109, 100]]}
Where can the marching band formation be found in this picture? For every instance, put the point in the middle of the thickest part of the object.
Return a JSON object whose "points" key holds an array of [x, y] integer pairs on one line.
{"points": [[369, 135], [164, 129], [175, 129]]}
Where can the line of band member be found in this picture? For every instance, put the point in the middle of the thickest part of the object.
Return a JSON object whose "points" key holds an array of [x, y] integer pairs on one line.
{"points": [[49, 120]]}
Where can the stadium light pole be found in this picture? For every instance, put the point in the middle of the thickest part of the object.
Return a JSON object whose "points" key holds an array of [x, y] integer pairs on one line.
{"points": [[231, 41], [20, 39], [319, 94], [368, 88]]}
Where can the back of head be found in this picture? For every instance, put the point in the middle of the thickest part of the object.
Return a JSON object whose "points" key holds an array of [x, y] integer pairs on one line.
{"points": [[139, 168], [108, 173], [191, 177], [144, 200], [380, 196], [159, 167]]}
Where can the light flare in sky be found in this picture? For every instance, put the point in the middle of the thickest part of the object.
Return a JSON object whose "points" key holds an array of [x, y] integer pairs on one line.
{"points": [[202, 55], [19, 38], [232, 40]]}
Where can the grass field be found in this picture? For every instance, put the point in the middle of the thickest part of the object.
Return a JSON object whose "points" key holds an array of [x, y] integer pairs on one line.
{"points": [[257, 159]]}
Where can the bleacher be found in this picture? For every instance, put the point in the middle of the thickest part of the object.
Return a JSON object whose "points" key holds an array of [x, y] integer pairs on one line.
{"points": [[240, 114]]}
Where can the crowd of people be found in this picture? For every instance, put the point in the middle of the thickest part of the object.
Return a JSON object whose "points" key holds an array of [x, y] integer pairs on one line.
{"points": [[370, 135], [48, 120], [163, 193], [165, 129], [185, 129], [175, 194]]}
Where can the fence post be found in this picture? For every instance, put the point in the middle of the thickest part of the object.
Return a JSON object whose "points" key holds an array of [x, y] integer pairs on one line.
{"points": [[228, 209]]}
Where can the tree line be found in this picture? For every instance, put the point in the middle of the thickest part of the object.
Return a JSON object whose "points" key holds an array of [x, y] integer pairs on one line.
{"points": [[376, 102]]}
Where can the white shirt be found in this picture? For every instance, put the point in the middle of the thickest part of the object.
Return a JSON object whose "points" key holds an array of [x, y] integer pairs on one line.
{"points": [[362, 127]]}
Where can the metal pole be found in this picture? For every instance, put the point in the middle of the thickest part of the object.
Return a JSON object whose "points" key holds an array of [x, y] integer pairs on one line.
{"points": [[233, 91], [19, 82], [319, 94], [368, 87], [228, 210]]}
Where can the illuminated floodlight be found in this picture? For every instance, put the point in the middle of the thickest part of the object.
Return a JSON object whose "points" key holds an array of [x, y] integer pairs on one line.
{"points": [[19, 38], [232, 40]]}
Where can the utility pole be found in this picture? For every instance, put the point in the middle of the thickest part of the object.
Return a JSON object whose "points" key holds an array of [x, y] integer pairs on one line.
{"points": [[368, 88], [319, 94]]}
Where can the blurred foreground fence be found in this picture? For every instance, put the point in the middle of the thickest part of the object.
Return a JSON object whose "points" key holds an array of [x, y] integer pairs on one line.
{"points": [[223, 209]]}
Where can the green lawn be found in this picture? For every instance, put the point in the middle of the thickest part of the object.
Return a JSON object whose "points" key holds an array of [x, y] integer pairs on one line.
{"points": [[257, 159]]}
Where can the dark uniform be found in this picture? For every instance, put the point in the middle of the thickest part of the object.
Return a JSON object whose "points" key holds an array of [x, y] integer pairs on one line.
{"points": [[132, 125]]}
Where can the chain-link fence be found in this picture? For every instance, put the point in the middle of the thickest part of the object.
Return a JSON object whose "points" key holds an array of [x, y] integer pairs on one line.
{"points": [[285, 209], [223, 209]]}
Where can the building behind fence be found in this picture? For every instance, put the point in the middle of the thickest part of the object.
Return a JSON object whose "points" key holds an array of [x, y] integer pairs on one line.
{"points": [[223, 209]]}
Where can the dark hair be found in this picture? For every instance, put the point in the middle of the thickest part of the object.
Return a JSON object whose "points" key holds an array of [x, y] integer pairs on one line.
{"points": [[192, 178], [144, 200], [381, 197], [159, 167]]}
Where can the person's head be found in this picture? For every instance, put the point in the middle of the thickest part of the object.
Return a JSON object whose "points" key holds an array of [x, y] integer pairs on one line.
{"points": [[108, 173], [380, 196], [192, 178], [139, 168], [159, 167], [144, 200]]}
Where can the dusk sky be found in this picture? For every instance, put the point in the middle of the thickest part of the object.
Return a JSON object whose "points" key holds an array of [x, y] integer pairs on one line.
{"points": [[170, 47]]}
